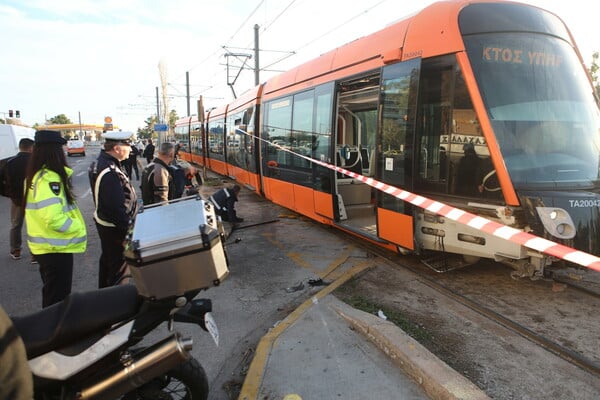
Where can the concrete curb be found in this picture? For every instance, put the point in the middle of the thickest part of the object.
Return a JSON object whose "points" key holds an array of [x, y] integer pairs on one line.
{"points": [[437, 379]]}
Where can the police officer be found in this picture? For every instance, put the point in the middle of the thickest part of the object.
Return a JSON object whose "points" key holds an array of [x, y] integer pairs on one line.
{"points": [[224, 201], [116, 205], [55, 227]]}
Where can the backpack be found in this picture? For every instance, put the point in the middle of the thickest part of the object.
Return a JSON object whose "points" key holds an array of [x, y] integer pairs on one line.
{"points": [[4, 185], [147, 184]]}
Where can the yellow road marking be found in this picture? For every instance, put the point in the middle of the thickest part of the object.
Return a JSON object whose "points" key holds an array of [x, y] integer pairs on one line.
{"points": [[256, 371]]}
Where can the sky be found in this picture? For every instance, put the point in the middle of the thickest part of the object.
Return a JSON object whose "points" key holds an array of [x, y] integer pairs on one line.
{"points": [[89, 59]]}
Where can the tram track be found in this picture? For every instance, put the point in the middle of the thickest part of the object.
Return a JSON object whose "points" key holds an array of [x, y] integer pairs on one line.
{"points": [[555, 348], [468, 289]]}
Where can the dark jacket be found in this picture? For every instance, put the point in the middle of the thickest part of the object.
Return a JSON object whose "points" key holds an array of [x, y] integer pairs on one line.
{"points": [[224, 201], [15, 169], [148, 152], [117, 200]]}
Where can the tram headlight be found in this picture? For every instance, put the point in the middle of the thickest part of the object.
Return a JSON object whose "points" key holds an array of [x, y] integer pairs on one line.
{"points": [[557, 222]]}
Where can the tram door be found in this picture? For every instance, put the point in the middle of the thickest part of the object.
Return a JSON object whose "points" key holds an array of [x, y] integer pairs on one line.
{"points": [[400, 86]]}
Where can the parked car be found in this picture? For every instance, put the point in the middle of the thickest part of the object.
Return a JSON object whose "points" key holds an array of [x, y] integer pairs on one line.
{"points": [[75, 147]]}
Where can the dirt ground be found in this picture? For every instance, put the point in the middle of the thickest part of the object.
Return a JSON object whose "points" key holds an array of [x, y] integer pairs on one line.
{"points": [[504, 364]]}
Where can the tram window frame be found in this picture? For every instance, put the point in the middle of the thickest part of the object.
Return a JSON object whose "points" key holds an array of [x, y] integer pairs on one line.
{"points": [[286, 122]]}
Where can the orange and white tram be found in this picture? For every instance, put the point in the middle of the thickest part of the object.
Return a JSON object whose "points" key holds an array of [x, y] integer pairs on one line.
{"points": [[482, 105]]}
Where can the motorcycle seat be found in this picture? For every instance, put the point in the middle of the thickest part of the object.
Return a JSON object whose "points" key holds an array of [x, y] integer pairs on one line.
{"points": [[76, 317]]}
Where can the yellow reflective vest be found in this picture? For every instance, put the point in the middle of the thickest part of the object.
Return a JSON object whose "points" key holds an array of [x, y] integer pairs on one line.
{"points": [[53, 225]]}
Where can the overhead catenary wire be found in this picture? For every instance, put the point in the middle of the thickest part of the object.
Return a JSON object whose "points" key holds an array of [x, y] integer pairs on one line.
{"points": [[217, 75]]}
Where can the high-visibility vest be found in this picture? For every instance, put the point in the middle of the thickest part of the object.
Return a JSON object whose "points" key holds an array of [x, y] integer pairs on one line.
{"points": [[53, 225]]}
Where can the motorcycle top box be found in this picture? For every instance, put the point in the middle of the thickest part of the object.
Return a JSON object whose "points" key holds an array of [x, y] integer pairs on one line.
{"points": [[176, 247]]}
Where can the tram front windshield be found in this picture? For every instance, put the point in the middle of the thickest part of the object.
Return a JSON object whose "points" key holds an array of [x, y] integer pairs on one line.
{"points": [[541, 107]]}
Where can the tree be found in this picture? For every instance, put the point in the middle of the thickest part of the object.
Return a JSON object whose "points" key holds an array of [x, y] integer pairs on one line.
{"points": [[60, 119], [172, 119], [147, 131]]}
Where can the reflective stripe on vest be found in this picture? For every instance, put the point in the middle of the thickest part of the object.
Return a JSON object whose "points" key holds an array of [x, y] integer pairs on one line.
{"points": [[96, 191], [56, 242]]}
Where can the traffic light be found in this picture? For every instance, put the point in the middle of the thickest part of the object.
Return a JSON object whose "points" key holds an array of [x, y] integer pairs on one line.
{"points": [[17, 114], [10, 113]]}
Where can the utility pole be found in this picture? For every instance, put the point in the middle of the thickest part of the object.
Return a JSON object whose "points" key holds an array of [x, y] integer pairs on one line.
{"points": [[157, 107], [187, 91], [80, 129], [256, 51]]}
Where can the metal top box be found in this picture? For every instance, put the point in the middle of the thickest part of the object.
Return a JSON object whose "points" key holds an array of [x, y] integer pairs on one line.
{"points": [[176, 247]]}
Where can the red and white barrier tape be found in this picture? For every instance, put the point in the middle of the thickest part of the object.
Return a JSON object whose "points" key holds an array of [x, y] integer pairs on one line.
{"points": [[474, 221]]}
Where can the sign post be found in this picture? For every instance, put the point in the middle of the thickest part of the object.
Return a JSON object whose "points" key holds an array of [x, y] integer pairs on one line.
{"points": [[161, 129], [108, 126]]}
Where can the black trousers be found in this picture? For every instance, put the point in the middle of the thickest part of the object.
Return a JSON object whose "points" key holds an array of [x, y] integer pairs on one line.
{"points": [[56, 270], [111, 260]]}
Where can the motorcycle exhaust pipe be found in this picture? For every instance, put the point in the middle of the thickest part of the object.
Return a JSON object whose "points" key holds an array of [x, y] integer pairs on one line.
{"points": [[152, 362]]}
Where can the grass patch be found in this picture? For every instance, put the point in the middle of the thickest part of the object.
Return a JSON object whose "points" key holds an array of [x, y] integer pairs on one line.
{"points": [[347, 293]]}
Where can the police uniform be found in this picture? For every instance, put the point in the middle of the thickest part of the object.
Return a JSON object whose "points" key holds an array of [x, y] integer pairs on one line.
{"points": [[55, 228], [224, 202], [116, 207]]}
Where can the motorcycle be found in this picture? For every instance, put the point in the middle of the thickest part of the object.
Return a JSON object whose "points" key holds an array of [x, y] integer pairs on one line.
{"points": [[85, 346], [89, 346]]}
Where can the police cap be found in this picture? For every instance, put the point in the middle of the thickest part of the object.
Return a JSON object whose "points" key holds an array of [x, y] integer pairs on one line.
{"points": [[116, 136], [47, 136]]}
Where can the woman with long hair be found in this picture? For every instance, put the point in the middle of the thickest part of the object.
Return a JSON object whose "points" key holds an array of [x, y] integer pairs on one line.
{"points": [[55, 227]]}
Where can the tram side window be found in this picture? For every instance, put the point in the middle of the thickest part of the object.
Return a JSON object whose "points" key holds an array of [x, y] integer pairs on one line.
{"points": [[470, 166], [196, 138], [235, 140], [321, 137], [452, 155], [277, 131], [302, 129], [216, 131], [248, 139]]}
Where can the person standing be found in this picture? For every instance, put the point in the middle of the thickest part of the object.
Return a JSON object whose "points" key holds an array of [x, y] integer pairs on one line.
{"points": [[15, 174], [149, 151], [55, 227], [157, 181], [131, 164], [116, 205], [224, 201]]}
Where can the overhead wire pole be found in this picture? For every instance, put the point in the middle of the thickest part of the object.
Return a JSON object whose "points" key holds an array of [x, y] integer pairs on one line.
{"points": [[157, 107], [187, 91], [256, 52]]}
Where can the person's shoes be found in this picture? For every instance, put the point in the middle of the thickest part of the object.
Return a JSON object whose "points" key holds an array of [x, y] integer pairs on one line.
{"points": [[15, 254], [238, 219], [33, 260]]}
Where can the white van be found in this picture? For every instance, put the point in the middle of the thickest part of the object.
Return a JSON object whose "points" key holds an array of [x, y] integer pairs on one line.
{"points": [[10, 135]]}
